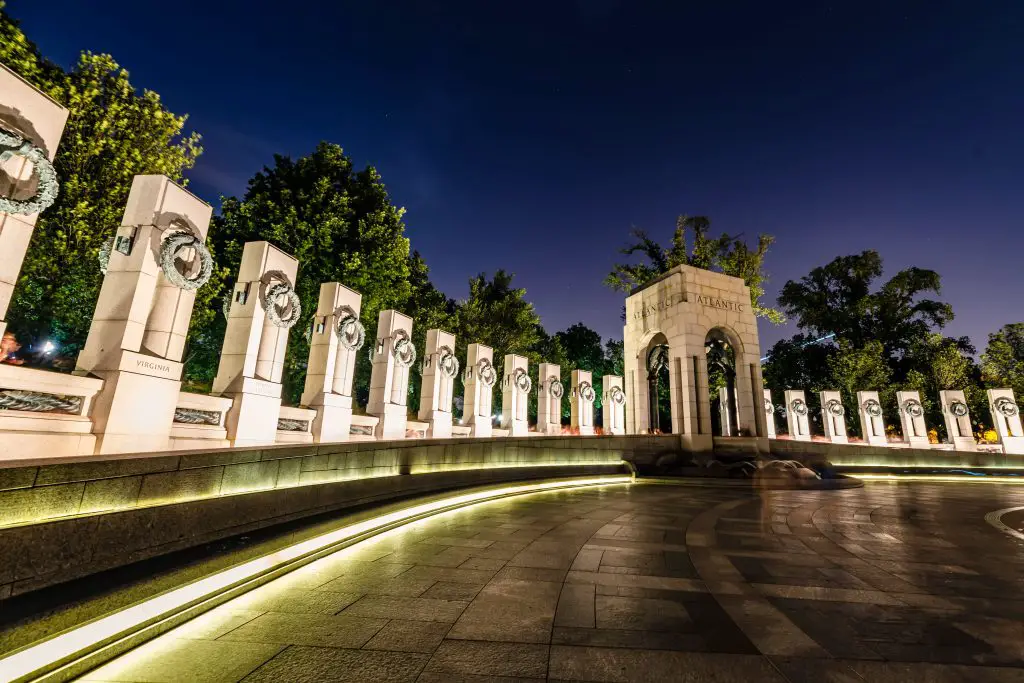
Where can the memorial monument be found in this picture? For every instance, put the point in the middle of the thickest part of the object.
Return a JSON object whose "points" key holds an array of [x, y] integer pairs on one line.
{"points": [[392, 356], [613, 405], [479, 379], [437, 389], [833, 416], [1006, 417], [515, 393], [549, 399], [581, 404], [957, 417], [915, 432]]}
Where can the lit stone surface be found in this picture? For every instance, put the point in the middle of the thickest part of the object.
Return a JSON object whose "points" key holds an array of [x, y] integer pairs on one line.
{"points": [[833, 416], [724, 414], [641, 583], [389, 379], [28, 113], [581, 402], [252, 357], [613, 413], [957, 417], [437, 390], [680, 309], [1006, 418], [797, 418], [872, 421], [332, 365], [515, 394], [138, 329], [476, 407], [915, 431], [769, 414], [549, 405]]}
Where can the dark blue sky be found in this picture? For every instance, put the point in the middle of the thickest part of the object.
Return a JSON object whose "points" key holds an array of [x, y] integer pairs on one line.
{"points": [[532, 135]]}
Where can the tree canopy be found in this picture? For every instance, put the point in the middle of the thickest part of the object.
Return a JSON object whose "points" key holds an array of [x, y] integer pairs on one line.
{"points": [[113, 133], [1002, 363], [728, 254]]}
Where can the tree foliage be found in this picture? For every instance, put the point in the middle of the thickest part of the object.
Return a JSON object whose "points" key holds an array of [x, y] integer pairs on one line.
{"points": [[1002, 363], [728, 254], [113, 133]]}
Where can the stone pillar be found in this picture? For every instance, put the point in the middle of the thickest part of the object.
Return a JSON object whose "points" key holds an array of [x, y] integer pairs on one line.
{"points": [[724, 414], [479, 378], [31, 125], [833, 416], [515, 393], [263, 308], [437, 390], [872, 421], [393, 355], [796, 415], [138, 329], [581, 402], [337, 336], [769, 413], [957, 417], [549, 399], [613, 405], [915, 432], [1006, 418]]}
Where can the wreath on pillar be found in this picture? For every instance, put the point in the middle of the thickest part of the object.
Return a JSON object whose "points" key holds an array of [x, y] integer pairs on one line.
{"points": [[350, 331], [522, 381], [835, 408], [405, 352], [913, 408], [486, 372], [173, 246], [555, 387], [617, 396], [873, 408], [798, 406], [586, 392], [1006, 406], [284, 316], [447, 361], [769, 408], [958, 408], [47, 187]]}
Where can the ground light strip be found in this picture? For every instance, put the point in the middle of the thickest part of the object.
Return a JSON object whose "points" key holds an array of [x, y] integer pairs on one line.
{"points": [[963, 479], [42, 658], [995, 519]]}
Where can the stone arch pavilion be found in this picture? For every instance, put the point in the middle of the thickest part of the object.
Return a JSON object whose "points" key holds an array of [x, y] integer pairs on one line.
{"points": [[680, 310]]}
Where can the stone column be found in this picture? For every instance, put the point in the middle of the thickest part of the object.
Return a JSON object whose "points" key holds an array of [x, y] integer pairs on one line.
{"points": [[796, 415], [393, 355], [515, 392], [31, 125], [915, 432], [437, 390], [581, 402], [1006, 418], [138, 329], [337, 336], [549, 399], [769, 413], [263, 308], [724, 414], [957, 416], [872, 421], [833, 416], [613, 405], [479, 378]]}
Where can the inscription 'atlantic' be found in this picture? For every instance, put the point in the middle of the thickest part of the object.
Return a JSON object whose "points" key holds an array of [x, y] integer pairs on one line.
{"points": [[658, 306], [713, 302]]}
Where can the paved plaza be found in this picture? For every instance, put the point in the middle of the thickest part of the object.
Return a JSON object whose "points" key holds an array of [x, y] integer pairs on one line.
{"points": [[652, 582]]}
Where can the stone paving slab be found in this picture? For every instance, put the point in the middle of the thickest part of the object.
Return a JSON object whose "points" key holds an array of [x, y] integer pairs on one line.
{"points": [[892, 582]]}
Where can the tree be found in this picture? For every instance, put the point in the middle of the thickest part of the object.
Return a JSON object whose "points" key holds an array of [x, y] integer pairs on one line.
{"points": [[1002, 363], [852, 369], [497, 314], [728, 254], [341, 226], [840, 299], [430, 309], [113, 133]]}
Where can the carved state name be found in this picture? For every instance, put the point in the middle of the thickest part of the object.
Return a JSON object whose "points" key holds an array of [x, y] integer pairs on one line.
{"points": [[713, 302], [658, 306]]}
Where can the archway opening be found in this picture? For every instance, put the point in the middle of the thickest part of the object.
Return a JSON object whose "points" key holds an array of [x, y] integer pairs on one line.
{"points": [[721, 361], [658, 391]]}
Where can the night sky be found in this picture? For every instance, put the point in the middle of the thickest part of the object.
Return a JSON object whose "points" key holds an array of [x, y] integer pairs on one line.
{"points": [[532, 135]]}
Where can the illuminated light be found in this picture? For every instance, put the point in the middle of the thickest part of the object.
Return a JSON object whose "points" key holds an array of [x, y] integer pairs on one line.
{"points": [[49, 346], [984, 479], [79, 642], [995, 519]]}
